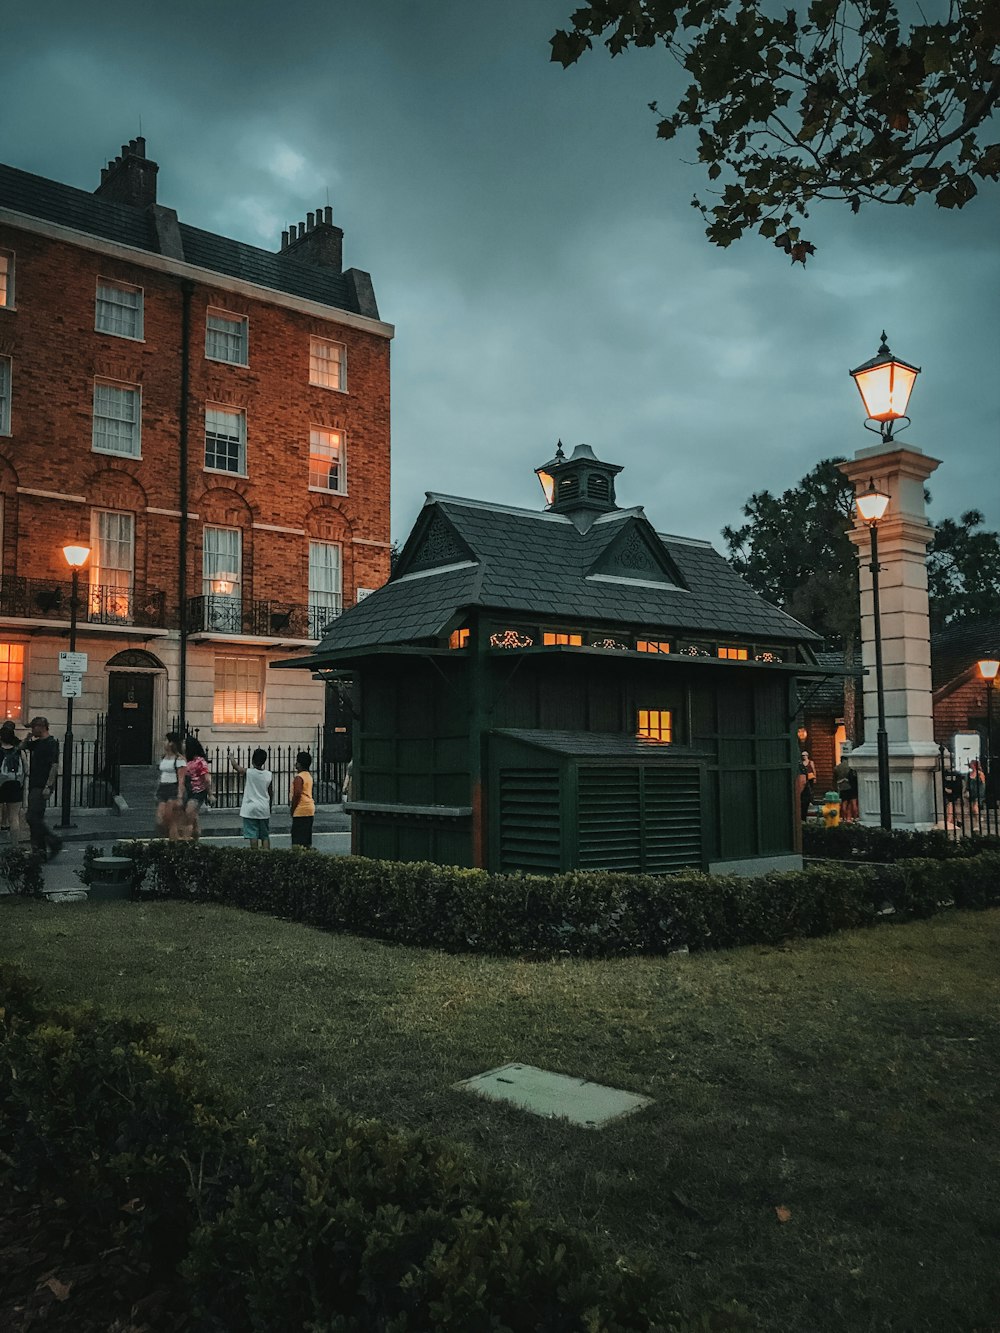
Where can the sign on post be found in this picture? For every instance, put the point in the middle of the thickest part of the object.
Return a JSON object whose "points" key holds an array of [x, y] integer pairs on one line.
{"points": [[73, 663], [72, 685]]}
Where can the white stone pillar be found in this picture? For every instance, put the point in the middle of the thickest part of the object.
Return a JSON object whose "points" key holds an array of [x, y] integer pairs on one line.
{"points": [[903, 537]]}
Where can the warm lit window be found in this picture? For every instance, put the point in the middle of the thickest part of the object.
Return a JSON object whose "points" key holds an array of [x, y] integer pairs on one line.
{"points": [[326, 459], [327, 363], [326, 598], [226, 440], [734, 654], [119, 309], [4, 395], [6, 280], [652, 646], [112, 545], [117, 427], [654, 724], [221, 579], [238, 694], [227, 338], [11, 680], [550, 637], [459, 638]]}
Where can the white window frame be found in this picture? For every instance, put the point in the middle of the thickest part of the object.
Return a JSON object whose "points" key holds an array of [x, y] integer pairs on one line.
{"points": [[105, 303], [317, 376], [111, 602], [23, 647], [341, 459], [7, 280], [251, 665], [6, 390], [135, 391], [224, 409], [326, 583], [241, 346]]}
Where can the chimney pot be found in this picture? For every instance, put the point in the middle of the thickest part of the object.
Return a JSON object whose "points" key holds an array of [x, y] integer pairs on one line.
{"points": [[328, 215], [302, 229], [284, 240], [310, 221]]}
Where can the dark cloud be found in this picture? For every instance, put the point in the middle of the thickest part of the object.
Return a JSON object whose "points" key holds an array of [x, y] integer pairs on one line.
{"points": [[532, 243]]}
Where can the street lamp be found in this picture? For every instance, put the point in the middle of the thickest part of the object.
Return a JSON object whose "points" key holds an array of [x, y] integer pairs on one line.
{"points": [[988, 668], [871, 505], [885, 383], [76, 558]]}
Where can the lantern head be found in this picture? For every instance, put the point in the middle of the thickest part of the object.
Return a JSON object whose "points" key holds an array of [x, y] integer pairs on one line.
{"points": [[76, 556], [988, 668], [885, 383], [872, 503]]}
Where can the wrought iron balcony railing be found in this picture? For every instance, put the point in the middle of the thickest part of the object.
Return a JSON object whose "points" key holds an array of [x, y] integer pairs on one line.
{"points": [[214, 613], [99, 604]]}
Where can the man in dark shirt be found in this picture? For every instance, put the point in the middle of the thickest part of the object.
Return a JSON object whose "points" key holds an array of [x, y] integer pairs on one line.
{"points": [[43, 751]]}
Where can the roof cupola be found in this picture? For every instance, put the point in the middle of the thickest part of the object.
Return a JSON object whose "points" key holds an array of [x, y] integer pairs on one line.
{"points": [[580, 484]]}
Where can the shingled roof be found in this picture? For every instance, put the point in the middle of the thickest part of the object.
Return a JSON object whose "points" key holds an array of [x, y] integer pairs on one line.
{"points": [[617, 570], [957, 649], [127, 224]]}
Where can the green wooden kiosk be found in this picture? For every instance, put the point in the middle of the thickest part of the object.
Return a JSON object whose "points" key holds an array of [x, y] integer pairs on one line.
{"points": [[540, 691]]}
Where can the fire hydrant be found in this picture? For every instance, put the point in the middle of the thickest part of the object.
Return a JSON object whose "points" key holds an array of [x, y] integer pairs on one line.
{"points": [[831, 809]]}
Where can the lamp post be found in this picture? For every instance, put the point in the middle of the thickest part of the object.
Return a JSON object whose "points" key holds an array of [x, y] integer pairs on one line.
{"points": [[871, 505], [988, 668], [76, 558]]}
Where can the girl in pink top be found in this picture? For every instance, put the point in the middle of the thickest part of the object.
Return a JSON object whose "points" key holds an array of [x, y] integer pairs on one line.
{"points": [[198, 780]]}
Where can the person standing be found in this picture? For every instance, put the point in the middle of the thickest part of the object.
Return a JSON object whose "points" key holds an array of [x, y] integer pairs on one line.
{"points": [[302, 806], [170, 787], [43, 769], [13, 771], [806, 778], [198, 783], [846, 780], [258, 793], [976, 786]]}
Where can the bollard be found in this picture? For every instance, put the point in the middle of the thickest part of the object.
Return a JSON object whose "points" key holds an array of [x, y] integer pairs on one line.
{"points": [[111, 878]]}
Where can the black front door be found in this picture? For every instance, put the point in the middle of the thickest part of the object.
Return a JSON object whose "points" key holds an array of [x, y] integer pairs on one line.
{"points": [[130, 715]]}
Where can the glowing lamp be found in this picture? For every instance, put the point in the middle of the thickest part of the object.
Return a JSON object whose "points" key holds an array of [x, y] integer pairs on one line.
{"points": [[223, 586], [885, 383], [872, 503], [988, 668], [548, 485], [76, 556]]}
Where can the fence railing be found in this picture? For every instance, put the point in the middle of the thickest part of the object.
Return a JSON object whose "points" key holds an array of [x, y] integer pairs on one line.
{"points": [[100, 603], [227, 784], [964, 803], [95, 777], [220, 614]]}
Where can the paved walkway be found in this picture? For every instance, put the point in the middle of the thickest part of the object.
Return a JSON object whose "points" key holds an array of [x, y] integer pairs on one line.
{"points": [[331, 836]]}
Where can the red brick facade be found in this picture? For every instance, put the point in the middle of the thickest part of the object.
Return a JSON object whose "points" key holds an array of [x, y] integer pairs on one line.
{"points": [[52, 478]]}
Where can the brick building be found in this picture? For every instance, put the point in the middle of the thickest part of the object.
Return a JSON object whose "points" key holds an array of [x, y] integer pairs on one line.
{"points": [[212, 420]]}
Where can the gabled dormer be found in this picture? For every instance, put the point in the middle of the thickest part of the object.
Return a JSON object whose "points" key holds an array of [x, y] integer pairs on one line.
{"points": [[580, 486], [637, 556], [434, 544]]}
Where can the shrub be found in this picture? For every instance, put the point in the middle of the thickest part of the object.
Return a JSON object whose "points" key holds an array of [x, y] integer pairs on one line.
{"points": [[862, 842], [22, 871], [583, 914], [344, 1224]]}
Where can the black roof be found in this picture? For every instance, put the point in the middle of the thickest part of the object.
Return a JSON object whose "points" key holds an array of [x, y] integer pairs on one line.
{"points": [[957, 648], [129, 225], [614, 570]]}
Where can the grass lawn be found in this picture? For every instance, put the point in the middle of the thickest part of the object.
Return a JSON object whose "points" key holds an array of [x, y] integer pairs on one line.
{"points": [[851, 1081]]}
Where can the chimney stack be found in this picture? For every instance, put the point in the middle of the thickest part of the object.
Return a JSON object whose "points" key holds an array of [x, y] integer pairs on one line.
{"points": [[131, 177], [315, 241]]}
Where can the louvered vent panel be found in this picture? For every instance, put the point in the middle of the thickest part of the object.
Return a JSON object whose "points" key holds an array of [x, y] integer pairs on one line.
{"points": [[610, 823], [672, 825], [529, 819]]}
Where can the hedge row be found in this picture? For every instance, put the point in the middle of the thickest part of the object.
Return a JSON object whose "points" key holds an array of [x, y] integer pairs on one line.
{"points": [[862, 842], [581, 913], [21, 872], [344, 1224]]}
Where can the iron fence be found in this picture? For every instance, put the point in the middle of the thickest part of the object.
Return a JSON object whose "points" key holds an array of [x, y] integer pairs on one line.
{"points": [[95, 778], [329, 764], [232, 614], [963, 803], [100, 603]]}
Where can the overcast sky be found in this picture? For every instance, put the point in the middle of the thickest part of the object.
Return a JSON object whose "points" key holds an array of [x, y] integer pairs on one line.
{"points": [[531, 241]]}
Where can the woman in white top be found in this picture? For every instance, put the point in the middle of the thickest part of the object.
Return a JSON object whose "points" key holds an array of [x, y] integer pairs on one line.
{"points": [[258, 793], [170, 788]]}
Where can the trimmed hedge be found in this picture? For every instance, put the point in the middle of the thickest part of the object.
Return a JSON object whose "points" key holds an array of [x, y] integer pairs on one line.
{"points": [[345, 1224], [863, 842], [582, 914]]}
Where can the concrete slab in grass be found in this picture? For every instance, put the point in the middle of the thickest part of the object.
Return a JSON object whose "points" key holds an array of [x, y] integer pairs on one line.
{"points": [[555, 1096]]}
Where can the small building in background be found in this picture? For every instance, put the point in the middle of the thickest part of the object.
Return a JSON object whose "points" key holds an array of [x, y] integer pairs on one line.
{"points": [[212, 420], [543, 690]]}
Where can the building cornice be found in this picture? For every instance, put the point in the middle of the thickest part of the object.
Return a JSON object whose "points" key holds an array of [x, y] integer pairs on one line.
{"points": [[182, 269]]}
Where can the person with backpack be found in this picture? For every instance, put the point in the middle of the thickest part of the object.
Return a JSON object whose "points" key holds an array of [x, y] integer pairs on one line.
{"points": [[13, 771]]}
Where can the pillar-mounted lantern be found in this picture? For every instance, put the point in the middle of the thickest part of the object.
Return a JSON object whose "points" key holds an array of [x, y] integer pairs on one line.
{"points": [[872, 503], [885, 383]]}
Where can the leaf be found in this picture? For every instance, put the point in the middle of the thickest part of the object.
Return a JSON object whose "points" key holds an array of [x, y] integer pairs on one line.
{"points": [[60, 1290], [783, 1214]]}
